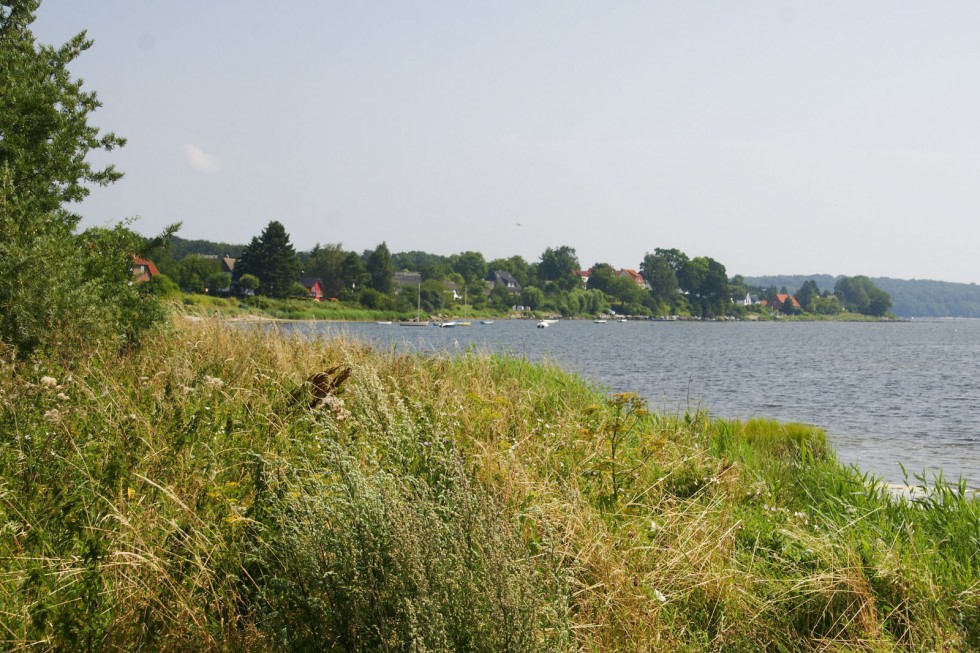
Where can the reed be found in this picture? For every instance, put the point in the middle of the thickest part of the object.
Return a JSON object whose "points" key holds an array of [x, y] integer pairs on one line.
{"points": [[230, 488]]}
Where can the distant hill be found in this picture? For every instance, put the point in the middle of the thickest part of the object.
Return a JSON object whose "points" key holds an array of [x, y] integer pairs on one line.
{"points": [[181, 247], [910, 297]]}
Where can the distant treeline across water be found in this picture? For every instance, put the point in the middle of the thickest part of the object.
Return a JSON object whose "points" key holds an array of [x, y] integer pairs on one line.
{"points": [[910, 298]]}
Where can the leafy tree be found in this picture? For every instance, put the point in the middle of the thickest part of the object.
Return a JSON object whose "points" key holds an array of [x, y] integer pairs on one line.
{"points": [[601, 277], [559, 266], [58, 290], [272, 259], [193, 273], [627, 294], [807, 294], [500, 297], [661, 270], [417, 261], [162, 286], [249, 282], [327, 264], [859, 294], [433, 296], [380, 269], [470, 265], [706, 282], [532, 297], [355, 273], [219, 282]]}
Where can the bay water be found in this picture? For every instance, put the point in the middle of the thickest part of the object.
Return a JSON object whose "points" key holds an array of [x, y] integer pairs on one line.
{"points": [[885, 392]]}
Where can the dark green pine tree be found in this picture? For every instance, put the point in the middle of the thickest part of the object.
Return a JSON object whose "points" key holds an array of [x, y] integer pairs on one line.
{"points": [[381, 269], [272, 259]]}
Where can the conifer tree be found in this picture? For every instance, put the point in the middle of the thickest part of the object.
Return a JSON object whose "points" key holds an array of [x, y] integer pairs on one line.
{"points": [[272, 259]]}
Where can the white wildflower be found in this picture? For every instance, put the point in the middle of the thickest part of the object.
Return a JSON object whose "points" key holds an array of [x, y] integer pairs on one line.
{"points": [[659, 596], [213, 382], [52, 415], [62, 396], [49, 381]]}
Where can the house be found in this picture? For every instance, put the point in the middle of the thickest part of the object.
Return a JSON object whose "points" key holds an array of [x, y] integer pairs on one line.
{"points": [[584, 276], [504, 280], [635, 276], [406, 278], [313, 287], [748, 300], [780, 301], [143, 269], [227, 263], [452, 287]]}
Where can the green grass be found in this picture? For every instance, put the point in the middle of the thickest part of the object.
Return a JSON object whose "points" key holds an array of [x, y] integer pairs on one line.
{"points": [[211, 492]]}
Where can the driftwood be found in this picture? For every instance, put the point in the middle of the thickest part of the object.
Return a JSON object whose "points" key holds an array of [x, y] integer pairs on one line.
{"points": [[318, 387]]}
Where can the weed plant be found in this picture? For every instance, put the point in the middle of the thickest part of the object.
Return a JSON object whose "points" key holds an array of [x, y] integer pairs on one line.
{"points": [[229, 488]]}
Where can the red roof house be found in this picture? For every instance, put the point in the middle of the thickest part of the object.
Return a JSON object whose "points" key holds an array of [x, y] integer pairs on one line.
{"points": [[314, 287], [143, 269], [781, 300]]}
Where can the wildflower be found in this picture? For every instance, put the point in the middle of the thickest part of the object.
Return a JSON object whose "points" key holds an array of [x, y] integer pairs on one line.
{"points": [[62, 396], [52, 415], [659, 596], [213, 382], [49, 381]]}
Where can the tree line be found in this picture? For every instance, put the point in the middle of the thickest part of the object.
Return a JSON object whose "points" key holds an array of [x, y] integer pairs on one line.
{"points": [[672, 282]]}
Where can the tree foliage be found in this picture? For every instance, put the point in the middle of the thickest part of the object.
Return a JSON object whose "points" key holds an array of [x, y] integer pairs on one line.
{"points": [[706, 283], [59, 290], [860, 295], [272, 259], [380, 269], [559, 267]]}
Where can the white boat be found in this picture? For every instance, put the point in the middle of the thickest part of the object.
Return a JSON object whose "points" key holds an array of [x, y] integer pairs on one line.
{"points": [[622, 319], [486, 321], [448, 325], [543, 324], [382, 322], [598, 321]]}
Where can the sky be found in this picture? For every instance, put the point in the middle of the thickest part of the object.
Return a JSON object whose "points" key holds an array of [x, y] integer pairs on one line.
{"points": [[776, 137]]}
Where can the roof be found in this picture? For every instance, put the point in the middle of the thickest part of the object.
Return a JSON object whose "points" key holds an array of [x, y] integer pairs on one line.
{"points": [[784, 298], [505, 279], [144, 269], [633, 274], [309, 282], [407, 278]]}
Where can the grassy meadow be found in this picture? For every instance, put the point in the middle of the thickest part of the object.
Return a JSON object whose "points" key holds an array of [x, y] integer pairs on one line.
{"points": [[234, 489]]}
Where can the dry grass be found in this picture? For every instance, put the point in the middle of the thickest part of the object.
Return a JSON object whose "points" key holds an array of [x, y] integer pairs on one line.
{"points": [[203, 494]]}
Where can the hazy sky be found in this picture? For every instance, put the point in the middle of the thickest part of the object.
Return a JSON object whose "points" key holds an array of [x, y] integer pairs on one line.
{"points": [[833, 137]]}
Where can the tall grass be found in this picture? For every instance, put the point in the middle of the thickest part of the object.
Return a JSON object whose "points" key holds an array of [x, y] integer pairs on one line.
{"points": [[233, 489]]}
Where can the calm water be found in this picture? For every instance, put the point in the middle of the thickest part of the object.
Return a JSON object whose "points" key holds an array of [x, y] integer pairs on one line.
{"points": [[885, 392]]}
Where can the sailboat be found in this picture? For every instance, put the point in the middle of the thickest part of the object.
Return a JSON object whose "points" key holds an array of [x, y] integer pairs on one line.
{"points": [[418, 317]]}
